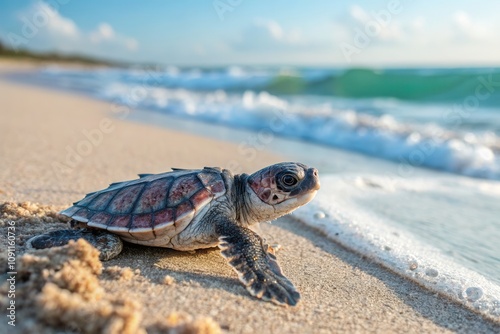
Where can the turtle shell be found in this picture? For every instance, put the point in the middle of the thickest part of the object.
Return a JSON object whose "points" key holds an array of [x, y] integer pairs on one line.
{"points": [[152, 209]]}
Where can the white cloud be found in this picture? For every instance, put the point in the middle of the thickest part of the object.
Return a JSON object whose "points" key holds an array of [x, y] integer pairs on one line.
{"points": [[359, 14], [462, 19], [103, 32], [418, 23], [276, 32], [386, 29], [268, 35], [454, 37], [106, 34], [457, 27], [54, 22], [55, 31], [470, 29], [131, 44], [272, 27]]}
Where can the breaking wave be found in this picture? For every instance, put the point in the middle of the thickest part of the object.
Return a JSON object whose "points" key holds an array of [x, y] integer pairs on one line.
{"points": [[363, 110]]}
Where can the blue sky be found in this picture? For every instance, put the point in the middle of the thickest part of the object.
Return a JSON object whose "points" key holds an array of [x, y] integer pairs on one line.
{"points": [[222, 32]]}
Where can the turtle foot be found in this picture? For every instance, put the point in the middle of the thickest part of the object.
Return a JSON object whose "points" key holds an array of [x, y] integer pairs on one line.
{"points": [[109, 245], [273, 286], [257, 269]]}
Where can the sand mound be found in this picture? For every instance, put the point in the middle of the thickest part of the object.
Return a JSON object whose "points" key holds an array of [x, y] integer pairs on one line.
{"points": [[27, 212], [63, 285]]}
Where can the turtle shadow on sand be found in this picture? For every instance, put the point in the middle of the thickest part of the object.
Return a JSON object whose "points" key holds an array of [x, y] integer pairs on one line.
{"points": [[203, 267]]}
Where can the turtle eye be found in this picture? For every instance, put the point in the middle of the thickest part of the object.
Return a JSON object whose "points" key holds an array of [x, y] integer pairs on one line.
{"points": [[289, 180]]}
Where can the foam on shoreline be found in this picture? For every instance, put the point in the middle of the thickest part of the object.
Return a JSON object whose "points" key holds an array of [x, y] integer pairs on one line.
{"points": [[342, 220]]}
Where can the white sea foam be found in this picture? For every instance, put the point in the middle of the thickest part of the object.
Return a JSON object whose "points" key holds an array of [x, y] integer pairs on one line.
{"points": [[410, 134], [471, 154], [335, 213]]}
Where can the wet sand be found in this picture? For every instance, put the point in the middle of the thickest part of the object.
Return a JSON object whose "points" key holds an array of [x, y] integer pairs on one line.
{"points": [[57, 146]]}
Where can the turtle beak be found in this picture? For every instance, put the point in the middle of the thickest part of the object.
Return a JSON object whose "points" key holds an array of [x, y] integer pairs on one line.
{"points": [[313, 174]]}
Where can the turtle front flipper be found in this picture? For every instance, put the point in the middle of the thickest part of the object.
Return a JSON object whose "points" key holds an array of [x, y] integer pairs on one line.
{"points": [[257, 269], [109, 245]]}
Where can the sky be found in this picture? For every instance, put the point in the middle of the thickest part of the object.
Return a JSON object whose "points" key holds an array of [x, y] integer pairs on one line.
{"points": [[346, 33]]}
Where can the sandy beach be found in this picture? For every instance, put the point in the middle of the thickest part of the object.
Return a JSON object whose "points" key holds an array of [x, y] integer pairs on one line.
{"points": [[57, 146]]}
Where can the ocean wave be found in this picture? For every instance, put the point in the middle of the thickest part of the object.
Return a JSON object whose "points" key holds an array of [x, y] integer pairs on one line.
{"points": [[471, 154], [423, 85], [414, 85], [432, 135]]}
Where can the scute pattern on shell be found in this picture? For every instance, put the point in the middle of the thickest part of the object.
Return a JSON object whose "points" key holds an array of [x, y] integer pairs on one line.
{"points": [[151, 206]]}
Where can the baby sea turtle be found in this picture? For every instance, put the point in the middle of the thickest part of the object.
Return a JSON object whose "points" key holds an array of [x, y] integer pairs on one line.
{"points": [[192, 209]]}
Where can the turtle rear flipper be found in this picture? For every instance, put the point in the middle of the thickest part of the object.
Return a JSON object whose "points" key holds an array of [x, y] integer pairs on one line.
{"points": [[108, 244], [257, 269]]}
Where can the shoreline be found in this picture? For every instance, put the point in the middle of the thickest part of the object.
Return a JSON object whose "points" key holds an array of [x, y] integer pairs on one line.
{"points": [[342, 292], [343, 220]]}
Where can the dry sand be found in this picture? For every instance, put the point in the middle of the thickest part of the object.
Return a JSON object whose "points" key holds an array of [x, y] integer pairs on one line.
{"points": [[159, 290]]}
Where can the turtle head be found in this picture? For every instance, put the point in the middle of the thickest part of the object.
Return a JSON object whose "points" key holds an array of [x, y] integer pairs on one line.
{"points": [[279, 189]]}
